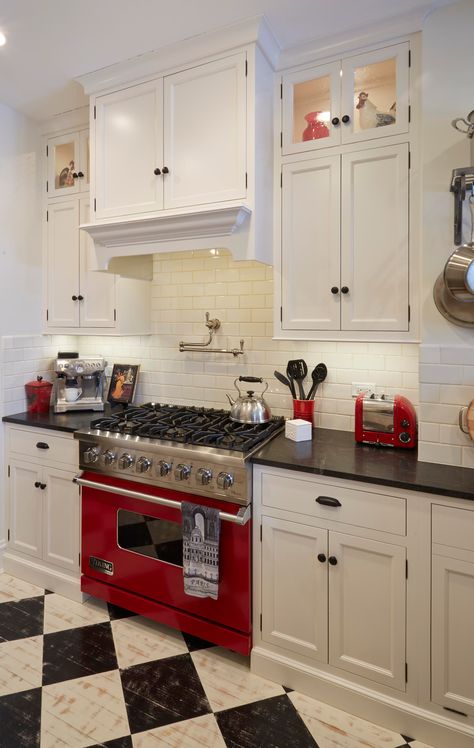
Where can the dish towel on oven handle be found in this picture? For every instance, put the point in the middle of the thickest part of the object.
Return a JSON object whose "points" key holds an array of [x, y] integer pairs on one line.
{"points": [[201, 530]]}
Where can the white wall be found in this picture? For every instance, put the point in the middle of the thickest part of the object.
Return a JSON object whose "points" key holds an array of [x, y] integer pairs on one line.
{"points": [[20, 225], [447, 355]]}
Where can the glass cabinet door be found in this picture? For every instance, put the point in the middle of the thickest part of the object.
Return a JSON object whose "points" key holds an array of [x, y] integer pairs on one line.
{"points": [[63, 155], [375, 94], [311, 117]]}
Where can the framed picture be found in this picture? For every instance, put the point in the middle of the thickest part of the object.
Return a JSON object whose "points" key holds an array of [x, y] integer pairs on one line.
{"points": [[123, 383]]}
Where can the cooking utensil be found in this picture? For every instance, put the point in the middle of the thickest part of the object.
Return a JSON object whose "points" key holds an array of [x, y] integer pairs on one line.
{"points": [[466, 419], [298, 370], [250, 408], [281, 378], [318, 375], [292, 384]]}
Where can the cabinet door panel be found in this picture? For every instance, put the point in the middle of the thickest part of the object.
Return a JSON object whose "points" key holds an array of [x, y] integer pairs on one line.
{"points": [[375, 94], [63, 263], [374, 254], [84, 160], [26, 502], [367, 609], [98, 289], [294, 587], [311, 244], [204, 133], [61, 519], [310, 101], [128, 147], [452, 653]]}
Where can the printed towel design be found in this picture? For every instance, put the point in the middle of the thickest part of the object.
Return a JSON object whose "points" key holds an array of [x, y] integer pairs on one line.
{"points": [[201, 529]]}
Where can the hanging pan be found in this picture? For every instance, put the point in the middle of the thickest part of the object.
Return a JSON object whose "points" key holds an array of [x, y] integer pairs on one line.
{"points": [[454, 289]]}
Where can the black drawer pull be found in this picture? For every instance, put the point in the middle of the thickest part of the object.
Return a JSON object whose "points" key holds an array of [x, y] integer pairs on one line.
{"points": [[328, 501], [42, 445]]}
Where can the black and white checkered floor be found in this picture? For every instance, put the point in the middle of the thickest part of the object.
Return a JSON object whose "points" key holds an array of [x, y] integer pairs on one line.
{"points": [[77, 675]]}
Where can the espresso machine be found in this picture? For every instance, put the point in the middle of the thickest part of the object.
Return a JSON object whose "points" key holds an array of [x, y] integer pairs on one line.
{"points": [[80, 382]]}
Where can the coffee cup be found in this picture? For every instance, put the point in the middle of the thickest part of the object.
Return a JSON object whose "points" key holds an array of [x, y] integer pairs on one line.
{"points": [[72, 394]]}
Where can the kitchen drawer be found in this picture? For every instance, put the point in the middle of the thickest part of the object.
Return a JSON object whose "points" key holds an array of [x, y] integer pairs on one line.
{"points": [[374, 511], [63, 449], [453, 527]]}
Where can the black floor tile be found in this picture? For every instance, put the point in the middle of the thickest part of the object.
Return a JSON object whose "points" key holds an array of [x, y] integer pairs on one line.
{"points": [[163, 692], [194, 642], [407, 739], [271, 723], [116, 612], [79, 652], [288, 690], [21, 618], [20, 719]]}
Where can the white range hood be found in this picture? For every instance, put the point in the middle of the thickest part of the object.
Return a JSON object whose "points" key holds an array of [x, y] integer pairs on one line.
{"points": [[126, 247]]}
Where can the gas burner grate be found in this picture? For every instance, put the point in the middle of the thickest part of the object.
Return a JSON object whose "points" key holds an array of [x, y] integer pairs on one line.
{"points": [[190, 425]]}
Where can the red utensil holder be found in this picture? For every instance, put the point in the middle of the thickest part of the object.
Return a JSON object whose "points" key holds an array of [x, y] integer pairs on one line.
{"points": [[304, 409]]}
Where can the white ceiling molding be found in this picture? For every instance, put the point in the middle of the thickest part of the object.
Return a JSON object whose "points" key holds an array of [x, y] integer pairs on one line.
{"points": [[186, 52]]}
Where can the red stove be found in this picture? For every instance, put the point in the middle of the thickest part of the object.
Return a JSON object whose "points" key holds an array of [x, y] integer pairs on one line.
{"points": [[138, 466]]}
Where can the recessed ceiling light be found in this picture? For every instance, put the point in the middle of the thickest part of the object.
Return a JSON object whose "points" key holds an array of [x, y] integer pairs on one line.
{"points": [[3, 39]]}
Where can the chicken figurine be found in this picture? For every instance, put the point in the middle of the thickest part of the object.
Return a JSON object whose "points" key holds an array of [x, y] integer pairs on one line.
{"points": [[369, 116]]}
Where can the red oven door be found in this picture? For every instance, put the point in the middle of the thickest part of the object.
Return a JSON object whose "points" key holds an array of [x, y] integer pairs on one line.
{"points": [[136, 546]]}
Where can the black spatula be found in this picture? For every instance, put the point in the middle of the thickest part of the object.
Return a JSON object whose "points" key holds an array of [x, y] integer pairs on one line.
{"points": [[318, 375], [298, 370]]}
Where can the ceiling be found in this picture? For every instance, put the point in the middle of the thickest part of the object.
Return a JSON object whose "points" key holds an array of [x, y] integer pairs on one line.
{"points": [[51, 42]]}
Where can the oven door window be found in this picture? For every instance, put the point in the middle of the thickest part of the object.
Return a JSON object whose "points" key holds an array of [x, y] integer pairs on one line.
{"points": [[150, 536]]}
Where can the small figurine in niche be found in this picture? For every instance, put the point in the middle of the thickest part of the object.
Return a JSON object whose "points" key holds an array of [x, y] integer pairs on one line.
{"points": [[66, 175], [369, 115]]}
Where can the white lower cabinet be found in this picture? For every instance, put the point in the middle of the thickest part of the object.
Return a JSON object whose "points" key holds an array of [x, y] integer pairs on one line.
{"points": [[43, 510], [335, 598], [364, 598]]}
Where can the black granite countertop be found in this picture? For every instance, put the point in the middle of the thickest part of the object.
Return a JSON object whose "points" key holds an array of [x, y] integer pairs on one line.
{"points": [[336, 454], [68, 422]]}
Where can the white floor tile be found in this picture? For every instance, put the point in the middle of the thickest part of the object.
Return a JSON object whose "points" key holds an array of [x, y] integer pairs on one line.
{"points": [[60, 613], [201, 732], [138, 639], [227, 680], [12, 588], [21, 665]]}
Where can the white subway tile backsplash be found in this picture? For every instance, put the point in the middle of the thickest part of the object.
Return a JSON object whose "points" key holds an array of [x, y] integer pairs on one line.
{"points": [[439, 373], [430, 354], [445, 454]]}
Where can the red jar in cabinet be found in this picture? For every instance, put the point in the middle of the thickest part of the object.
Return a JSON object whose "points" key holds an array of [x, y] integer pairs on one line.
{"points": [[38, 395]]}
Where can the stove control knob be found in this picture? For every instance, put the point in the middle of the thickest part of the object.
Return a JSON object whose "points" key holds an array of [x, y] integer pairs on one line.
{"points": [[164, 468], [204, 476], [108, 458], [405, 437], [91, 455], [143, 464], [225, 480], [125, 461], [182, 472]]}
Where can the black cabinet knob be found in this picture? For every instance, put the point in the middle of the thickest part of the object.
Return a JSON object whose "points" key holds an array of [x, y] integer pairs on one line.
{"points": [[75, 176], [157, 171], [334, 289], [74, 298], [332, 560], [321, 557], [335, 121], [344, 289], [37, 484], [42, 486], [166, 170], [80, 297], [346, 119], [80, 174]]}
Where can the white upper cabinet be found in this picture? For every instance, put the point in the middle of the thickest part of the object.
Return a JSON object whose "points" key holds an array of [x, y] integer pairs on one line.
{"points": [[173, 142], [347, 101], [311, 244], [68, 164], [204, 133], [128, 150], [374, 239]]}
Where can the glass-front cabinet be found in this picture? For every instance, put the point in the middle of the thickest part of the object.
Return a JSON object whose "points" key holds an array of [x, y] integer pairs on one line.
{"points": [[351, 100], [68, 164]]}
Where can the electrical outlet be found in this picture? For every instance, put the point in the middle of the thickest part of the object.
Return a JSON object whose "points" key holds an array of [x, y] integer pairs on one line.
{"points": [[363, 387]]}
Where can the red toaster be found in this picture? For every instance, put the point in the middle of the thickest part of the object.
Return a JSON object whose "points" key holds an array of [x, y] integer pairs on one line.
{"points": [[387, 421]]}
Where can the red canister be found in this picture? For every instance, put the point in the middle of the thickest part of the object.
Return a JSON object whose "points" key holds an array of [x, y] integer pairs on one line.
{"points": [[38, 395]]}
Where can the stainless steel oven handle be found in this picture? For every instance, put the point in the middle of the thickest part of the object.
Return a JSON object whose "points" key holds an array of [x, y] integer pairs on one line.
{"points": [[241, 518]]}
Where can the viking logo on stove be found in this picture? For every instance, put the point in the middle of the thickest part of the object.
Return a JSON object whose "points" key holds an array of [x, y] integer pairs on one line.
{"points": [[99, 564]]}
